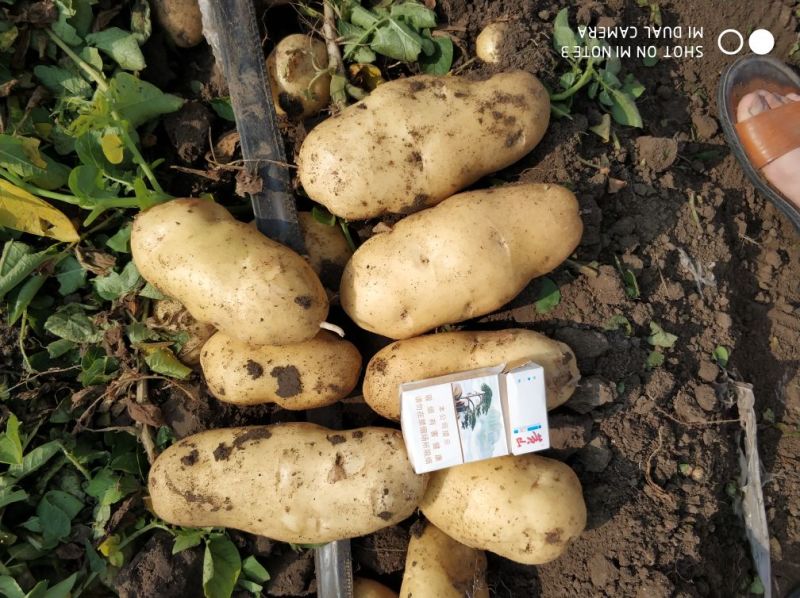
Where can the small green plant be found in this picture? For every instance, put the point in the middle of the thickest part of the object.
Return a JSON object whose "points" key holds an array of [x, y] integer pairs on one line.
{"points": [[655, 10], [628, 280], [721, 356], [619, 322], [659, 339], [596, 66], [549, 296]]}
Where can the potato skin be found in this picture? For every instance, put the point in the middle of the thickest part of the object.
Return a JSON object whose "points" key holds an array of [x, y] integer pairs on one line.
{"points": [[292, 66], [368, 588], [466, 257], [415, 141], [181, 20], [437, 565], [227, 274], [524, 508], [328, 251], [293, 482], [450, 352], [303, 375]]}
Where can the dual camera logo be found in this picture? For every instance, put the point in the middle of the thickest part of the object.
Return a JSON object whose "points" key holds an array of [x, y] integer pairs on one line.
{"points": [[760, 41]]}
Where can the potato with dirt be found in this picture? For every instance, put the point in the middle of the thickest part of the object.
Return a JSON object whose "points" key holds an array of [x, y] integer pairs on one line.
{"points": [[172, 317], [298, 76], [228, 274], [368, 588], [181, 20], [490, 41], [303, 375], [437, 565], [416, 141], [526, 508], [464, 258], [293, 482], [435, 355], [327, 248]]}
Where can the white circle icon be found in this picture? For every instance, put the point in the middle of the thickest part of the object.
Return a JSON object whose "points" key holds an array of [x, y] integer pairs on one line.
{"points": [[737, 34], [761, 41]]}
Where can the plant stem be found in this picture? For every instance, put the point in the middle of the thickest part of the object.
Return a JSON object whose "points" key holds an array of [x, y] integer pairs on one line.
{"points": [[87, 68], [150, 526], [33, 189], [585, 78], [365, 36], [137, 155], [334, 56]]}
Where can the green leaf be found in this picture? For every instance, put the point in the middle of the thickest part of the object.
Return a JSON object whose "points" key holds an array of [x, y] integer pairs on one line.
{"points": [[361, 17], [221, 567], [121, 240], [624, 110], [250, 586], [21, 156], [70, 275], [223, 108], [8, 37], [618, 321], [35, 459], [63, 82], [120, 45], [10, 442], [90, 153], [139, 333], [60, 347], [96, 367], [138, 101], [441, 60], [649, 61], [563, 35], [56, 511], [254, 570], [685, 469], [363, 55], [609, 78], [63, 588], [567, 79], [757, 586], [632, 86], [414, 14], [141, 25], [62, 28], [108, 487], [21, 297], [54, 175], [10, 588], [187, 538], [71, 322], [8, 496], [323, 216], [150, 292], [116, 284], [397, 40], [163, 361], [654, 360], [549, 296], [659, 338], [721, 356], [603, 128]]}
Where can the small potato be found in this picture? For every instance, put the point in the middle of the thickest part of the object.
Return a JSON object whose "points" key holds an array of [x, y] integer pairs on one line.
{"points": [[181, 21], [227, 274], [292, 482], [489, 43], [451, 352], [468, 256], [415, 141], [294, 66], [367, 588], [327, 249], [524, 508], [437, 565], [171, 316], [304, 375]]}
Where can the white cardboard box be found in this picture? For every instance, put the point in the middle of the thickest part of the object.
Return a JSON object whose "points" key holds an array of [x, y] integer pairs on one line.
{"points": [[474, 415]]}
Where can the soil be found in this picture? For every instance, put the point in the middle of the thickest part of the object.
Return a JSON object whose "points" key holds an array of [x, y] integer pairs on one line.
{"points": [[657, 450]]}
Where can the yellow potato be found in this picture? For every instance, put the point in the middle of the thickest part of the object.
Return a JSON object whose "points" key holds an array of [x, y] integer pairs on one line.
{"points": [[367, 588], [524, 508], [303, 375], [171, 316], [293, 482], [328, 251], [181, 21], [415, 141], [464, 258], [489, 43], [451, 352], [227, 274], [294, 67], [437, 565]]}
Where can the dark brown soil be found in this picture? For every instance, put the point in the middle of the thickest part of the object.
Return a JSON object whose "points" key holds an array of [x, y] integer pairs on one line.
{"points": [[656, 449]]}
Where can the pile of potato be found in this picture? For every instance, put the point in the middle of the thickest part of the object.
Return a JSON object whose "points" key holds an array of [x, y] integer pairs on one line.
{"points": [[408, 148]]}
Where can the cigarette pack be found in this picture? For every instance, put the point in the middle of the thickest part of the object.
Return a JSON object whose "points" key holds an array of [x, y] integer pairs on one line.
{"points": [[474, 415]]}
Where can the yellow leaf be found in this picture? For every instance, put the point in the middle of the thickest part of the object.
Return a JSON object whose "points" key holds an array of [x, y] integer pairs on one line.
{"points": [[366, 76], [112, 147], [43, 129], [22, 211], [31, 148]]}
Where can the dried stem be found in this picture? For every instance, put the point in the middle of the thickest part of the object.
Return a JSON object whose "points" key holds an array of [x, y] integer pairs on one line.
{"points": [[335, 64]]}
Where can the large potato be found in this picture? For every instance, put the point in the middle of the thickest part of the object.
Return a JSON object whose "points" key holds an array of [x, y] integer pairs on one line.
{"points": [[367, 588], [298, 84], [171, 316], [303, 375], [464, 258], [451, 352], [181, 20], [524, 508], [437, 565], [227, 274], [415, 141], [327, 249], [293, 482]]}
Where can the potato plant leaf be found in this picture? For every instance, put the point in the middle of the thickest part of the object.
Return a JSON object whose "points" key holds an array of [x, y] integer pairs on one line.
{"points": [[721, 356], [138, 101], [113, 148], [16, 263], [70, 275], [414, 14], [121, 46], [187, 538], [654, 360], [659, 337], [10, 442], [254, 570], [62, 82], [221, 567], [397, 40], [24, 212], [21, 297], [71, 323], [563, 35], [624, 110], [441, 60], [163, 361], [549, 296], [116, 284]]}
